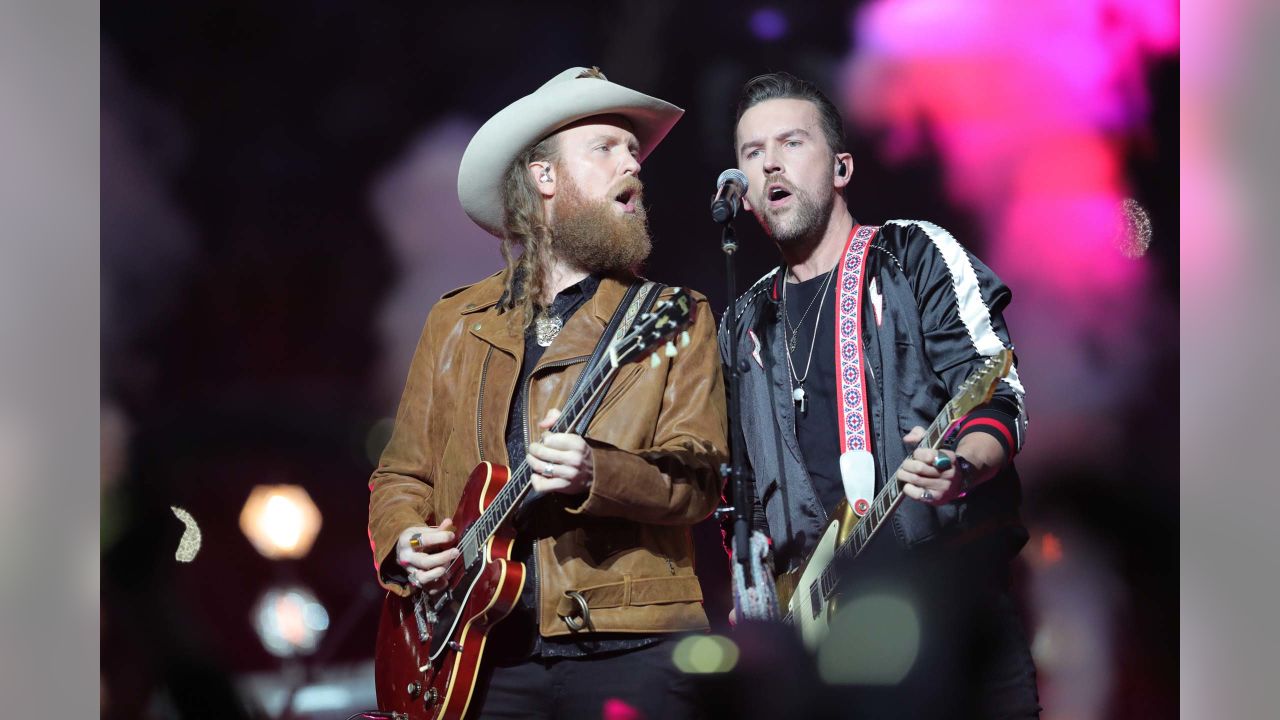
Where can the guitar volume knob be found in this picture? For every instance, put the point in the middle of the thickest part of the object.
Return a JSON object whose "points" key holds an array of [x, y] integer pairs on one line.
{"points": [[413, 689], [431, 696]]}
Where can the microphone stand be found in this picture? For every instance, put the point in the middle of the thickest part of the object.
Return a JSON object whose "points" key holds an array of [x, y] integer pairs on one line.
{"points": [[737, 471], [755, 597]]}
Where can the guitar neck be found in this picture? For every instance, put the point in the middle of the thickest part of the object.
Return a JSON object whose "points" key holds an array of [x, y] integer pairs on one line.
{"points": [[517, 486], [890, 496], [973, 392]]}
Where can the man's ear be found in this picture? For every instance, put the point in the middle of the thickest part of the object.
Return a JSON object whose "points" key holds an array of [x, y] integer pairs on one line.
{"points": [[544, 177], [843, 169]]}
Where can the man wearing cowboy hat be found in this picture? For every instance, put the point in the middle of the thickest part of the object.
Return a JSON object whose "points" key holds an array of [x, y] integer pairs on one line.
{"points": [[607, 546]]}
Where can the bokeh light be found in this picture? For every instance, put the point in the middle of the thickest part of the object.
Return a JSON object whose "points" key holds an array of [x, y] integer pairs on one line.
{"points": [[769, 24], [290, 621], [705, 654], [281, 521], [872, 640], [1133, 231], [1026, 109], [617, 709]]}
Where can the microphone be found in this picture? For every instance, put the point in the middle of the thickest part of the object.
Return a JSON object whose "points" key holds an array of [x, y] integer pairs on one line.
{"points": [[730, 187]]}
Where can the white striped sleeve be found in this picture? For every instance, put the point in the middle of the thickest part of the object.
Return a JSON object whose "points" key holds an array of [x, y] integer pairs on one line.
{"points": [[973, 310]]}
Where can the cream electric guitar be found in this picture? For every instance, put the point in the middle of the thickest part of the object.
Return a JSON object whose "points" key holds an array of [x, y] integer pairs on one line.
{"points": [[807, 595]]}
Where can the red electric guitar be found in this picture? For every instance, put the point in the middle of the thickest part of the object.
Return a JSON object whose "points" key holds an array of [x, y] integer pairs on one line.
{"points": [[429, 649]]}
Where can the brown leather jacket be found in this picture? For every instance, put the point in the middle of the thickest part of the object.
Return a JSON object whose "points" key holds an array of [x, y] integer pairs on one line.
{"points": [[658, 440]]}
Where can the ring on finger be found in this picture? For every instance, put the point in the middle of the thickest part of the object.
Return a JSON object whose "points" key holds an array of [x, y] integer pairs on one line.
{"points": [[550, 470], [925, 494], [941, 463]]}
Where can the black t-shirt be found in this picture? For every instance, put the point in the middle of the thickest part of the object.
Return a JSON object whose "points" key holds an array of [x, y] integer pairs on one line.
{"points": [[818, 424]]}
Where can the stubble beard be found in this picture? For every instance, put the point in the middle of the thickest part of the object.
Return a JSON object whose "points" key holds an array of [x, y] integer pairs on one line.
{"points": [[802, 224]]}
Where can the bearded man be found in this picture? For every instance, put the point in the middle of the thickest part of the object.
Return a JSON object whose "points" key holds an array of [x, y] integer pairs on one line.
{"points": [[607, 546]]}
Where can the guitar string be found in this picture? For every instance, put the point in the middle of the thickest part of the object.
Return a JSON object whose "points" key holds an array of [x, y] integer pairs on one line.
{"points": [[576, 401], [594, 386], [932, 438], [881, 497], [470, 535]]}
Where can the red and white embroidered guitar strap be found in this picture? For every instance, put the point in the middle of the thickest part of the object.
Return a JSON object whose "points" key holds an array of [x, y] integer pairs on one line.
{"points": [[857, 468]]}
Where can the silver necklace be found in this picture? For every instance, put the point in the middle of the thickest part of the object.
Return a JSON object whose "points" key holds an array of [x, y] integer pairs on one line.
{"points": [[793, 334], [546, 328], [797, 392]]}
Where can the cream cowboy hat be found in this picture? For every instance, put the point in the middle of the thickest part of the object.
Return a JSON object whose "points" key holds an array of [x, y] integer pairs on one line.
{"points": [[564, 99]]}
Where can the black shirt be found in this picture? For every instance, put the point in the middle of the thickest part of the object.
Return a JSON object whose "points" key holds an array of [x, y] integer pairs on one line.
{"points": [[818, 425]]}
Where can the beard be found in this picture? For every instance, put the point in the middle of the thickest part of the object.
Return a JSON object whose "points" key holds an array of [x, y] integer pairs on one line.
{"points": [[592, 236], [805, 221]]}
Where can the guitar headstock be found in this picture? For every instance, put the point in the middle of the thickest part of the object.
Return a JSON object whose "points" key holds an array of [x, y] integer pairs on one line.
{"points": [[654, 329], [978, 388]]}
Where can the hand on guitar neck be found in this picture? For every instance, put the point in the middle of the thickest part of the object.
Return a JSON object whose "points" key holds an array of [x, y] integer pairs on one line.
{"points": [[560, 462], [425, 551], [924, 481]]}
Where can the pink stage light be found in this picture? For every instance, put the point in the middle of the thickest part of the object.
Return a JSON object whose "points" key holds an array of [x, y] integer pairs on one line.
{"points": [[1029, 107], [1025, 102], [615, 709]]}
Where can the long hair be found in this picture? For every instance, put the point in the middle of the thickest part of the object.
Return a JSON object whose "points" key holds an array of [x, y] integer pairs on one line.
{"points": [[524, 221], [525, 225]]}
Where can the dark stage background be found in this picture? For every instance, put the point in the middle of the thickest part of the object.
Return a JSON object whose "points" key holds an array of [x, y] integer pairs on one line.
{"points": [[279, 212]]}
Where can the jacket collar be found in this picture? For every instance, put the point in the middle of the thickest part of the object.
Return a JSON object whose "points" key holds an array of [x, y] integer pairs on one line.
{"points": [[505, 330], [580, 335], [780, 276]]}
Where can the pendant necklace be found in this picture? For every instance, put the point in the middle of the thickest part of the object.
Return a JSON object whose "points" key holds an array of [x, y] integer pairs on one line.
{"points": [[546, 328], [797, 393], [793, 333]]}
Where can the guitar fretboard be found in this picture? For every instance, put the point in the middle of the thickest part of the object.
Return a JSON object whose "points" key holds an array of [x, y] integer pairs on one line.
{"points": [[976, 390], [883, 505], [517, 485]]}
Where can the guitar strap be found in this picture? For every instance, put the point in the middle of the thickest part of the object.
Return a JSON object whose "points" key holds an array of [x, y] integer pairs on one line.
{"points": [[639, 296], [857, 469]]}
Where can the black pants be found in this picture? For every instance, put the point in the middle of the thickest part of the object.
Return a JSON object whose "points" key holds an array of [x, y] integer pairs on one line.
{"points": [[973, 661], [645, 680], [972, 656]]}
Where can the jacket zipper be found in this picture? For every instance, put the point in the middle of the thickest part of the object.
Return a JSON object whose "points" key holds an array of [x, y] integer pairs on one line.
{"points": [[528, 380], [484, 374], [524, 425]]}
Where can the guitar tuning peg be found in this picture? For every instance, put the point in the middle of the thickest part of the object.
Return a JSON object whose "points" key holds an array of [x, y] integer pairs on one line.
{"points": [[684, 339], [654, 360], [671, 349]]}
